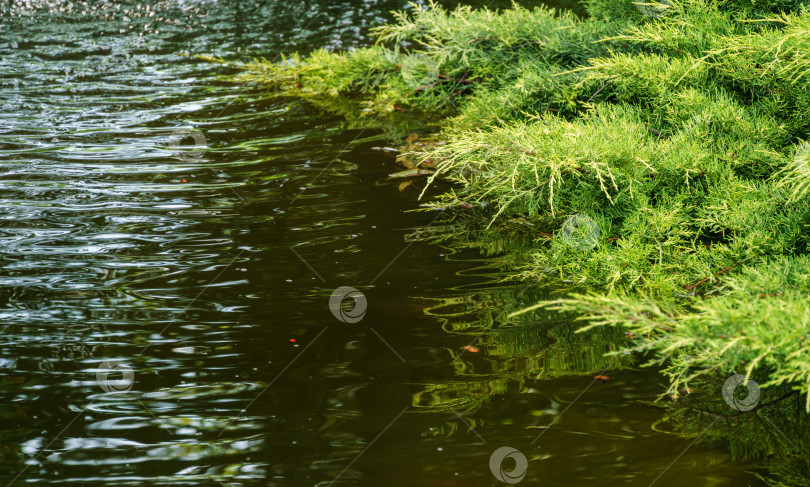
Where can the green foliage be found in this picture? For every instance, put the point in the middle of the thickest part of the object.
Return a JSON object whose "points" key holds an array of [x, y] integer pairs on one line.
{"points": [[760, 321], [477, 64]]}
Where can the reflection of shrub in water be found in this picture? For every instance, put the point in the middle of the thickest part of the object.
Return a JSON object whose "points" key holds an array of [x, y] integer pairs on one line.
{"points": [[774, 431], [530, 346]]}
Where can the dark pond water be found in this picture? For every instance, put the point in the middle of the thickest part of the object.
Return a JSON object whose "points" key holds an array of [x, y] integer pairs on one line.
{"points": [[203, 276]]}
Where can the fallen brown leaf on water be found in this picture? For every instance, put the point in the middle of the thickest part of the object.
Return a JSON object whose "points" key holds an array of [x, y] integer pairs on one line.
{"points": [[405, 184], [405, 161]]}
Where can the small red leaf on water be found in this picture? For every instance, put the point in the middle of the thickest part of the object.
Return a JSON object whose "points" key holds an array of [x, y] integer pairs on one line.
{"points": [[184, 181], [292, 340], [470, 348], [603, 378]]}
